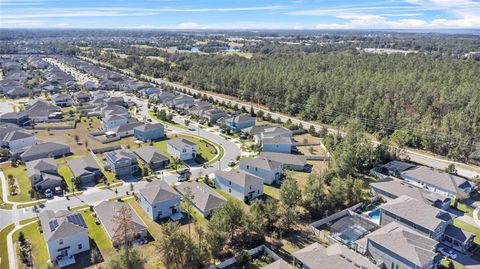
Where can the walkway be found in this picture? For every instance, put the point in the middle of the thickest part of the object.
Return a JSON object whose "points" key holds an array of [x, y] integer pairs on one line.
{"points": [[12, 261]]}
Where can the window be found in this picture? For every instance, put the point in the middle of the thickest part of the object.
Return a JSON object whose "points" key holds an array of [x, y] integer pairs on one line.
{"points": [[230, 190], [60, 242], [80, 246]]}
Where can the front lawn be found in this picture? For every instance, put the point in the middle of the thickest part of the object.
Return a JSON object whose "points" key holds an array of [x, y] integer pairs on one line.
{"points": [[3, 246], [469, 228], [65, 172], [96, 231], [24, 185], [39, 248]]}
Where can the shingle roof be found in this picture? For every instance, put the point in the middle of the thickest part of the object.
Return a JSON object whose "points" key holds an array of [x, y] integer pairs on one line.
{"points": [[239, 177], [417, 212], [150, 154], [404, 242], [284, 158], [278, 264], [44, 148], [149, 127], [83, 166], [277, 140], [127, 127], [158, 191], [121, 154], [106, 210], [437, 178], [62, 223], [260, 162], [204, 197], [316, 256], [398, 166], [10, 133], [179, 143]]}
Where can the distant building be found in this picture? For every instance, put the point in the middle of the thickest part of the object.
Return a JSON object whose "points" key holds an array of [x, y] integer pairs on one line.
{"points": [[237, 123], [65, 233], [62, 100], [182, 149], [159, 200], [242, 185]]}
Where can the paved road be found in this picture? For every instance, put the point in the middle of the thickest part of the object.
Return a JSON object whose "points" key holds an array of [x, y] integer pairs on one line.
{"points": [[93, 195], [465, 170]]}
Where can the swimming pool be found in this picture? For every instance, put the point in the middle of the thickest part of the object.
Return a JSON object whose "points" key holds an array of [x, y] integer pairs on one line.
{"points": [[375, 215]]}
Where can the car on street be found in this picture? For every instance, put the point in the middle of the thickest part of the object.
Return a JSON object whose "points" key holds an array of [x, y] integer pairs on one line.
{"points": [[183, 171], [149, 120], [447, 252], [231, 163], [181, 178]]}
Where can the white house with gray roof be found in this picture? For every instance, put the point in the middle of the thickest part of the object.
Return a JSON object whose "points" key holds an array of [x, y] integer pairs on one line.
{"points": [[85, 168], [397, 246], [205, 200], [336, 256], [62, 100], [122, 162], [281, 144], [268, 170], [182, 148], [237, 123], [437, 181], [288, 161], [113, 121], [65, 233], [106, 211], [43, 174], [159, 200], [242, 185]]}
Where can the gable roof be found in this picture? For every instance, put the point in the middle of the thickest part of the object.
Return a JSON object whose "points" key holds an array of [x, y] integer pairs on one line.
{"points": [[106, 210], [278, 264], [438, 178], [12, 133], [180, 143], [284, 158], [404, 242], [336, 256], [149, 127], [127, 127], [83, 166], [150, 154], [121, 154], [277, 140], [158, 191], [44, 148], [239, 177], [204, 197], [61, 224]]}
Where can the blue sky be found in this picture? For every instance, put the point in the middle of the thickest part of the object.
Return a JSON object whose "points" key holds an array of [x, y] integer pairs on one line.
{"points": [[241, 14]]}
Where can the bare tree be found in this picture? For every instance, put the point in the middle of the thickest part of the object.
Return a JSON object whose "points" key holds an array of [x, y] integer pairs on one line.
{"points": [[187, 207], [124, 231]]}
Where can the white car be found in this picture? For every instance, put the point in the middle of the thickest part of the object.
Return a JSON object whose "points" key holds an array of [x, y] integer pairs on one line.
{"points": [[447, 252]]}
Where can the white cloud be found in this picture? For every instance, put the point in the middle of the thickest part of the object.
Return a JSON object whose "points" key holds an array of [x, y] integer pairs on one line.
{"points": [[188, 25]]}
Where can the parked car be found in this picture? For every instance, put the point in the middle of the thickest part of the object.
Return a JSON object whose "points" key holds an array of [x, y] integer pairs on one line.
{"points": [[222, 131], [48, 193], [231, 163], [183, 171], [447, 252], [181, 178], [58, 190], [149, 120], [243, 136], [183, 113]]}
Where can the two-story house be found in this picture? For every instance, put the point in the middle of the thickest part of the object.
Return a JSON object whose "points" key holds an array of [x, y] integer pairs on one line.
{"points": [[240, 184], [237, 123], [62, 100], [268, 170], [182, 148], [65, 233], [149, 132], [159, 200], [43, 174], [113, 121], [122, 162]]}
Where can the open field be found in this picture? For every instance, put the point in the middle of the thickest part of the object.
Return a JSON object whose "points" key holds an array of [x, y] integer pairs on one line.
{"points": [[23, 182]]}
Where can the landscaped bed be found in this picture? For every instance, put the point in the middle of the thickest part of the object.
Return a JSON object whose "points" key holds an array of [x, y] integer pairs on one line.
{"points": [[39, 248]]}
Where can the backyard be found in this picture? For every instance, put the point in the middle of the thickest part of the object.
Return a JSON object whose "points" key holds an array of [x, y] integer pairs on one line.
{"points": [[22, 181]]}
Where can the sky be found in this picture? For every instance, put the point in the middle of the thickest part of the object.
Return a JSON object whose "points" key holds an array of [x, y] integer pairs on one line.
{"points": [[241, 14]]}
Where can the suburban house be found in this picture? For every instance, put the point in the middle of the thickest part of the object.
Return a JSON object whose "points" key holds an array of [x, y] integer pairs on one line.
{"points": [[17, 92], [65, 233], [18, 118], [113, 121], [105, 212], [115, 100], [278, 264], [179, 100], [85, 168], [391, 188], [159, 200], [427, 220], [13, 138], [43, 174], [240, 184], [152, 157], [214, 114], [280, 144], [288, 161], [437, 181], [260, 132], [122, 162], [111, 110], [397, 246], [205, 200], [149, 132], [237, 123], [62, 100], [182, 148], [336, 256], [45, 150], [126, 129], [270, 171], [82, 97], [394, 168]]}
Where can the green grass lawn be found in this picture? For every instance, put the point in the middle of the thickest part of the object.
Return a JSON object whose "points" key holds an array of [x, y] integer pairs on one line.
{"points": [[4, 206], [271, 191], [21, 175], [162, 146], [445, 262], [166, 122], [65, 172], [153, 227], [96, 231], [39, 248], [3, 246], [464, 208], [469, 228]]}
